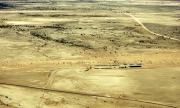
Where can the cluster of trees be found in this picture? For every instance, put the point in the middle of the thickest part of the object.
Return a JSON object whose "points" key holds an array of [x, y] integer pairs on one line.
{"points": [[43, 36], [40, 35], [5, 26]]}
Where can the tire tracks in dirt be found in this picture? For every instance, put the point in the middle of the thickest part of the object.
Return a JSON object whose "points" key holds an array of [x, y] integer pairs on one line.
{"points": [[78, 80], [93, 95], [48, 84]]}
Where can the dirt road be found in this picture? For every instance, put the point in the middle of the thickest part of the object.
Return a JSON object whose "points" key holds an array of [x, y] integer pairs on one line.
{"points": [[131, 15]]}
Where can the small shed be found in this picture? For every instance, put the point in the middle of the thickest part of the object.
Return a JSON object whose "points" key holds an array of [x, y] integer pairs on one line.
{"points": [[123, 66], [135, 65]]}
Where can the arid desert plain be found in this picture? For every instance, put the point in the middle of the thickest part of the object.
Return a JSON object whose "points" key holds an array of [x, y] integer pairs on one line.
{"points": [[89, 54]]}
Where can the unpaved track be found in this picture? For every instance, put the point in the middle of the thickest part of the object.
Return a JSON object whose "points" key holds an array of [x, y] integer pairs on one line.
{"points": [[131, 15], [49, 82], [86, 94]]}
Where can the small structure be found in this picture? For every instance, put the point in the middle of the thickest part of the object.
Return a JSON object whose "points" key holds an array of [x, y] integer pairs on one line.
{"points": [[87, 69], [113, 66], [123, 66], [102, 65], [134, 65], [106, 68], [97, 68]]}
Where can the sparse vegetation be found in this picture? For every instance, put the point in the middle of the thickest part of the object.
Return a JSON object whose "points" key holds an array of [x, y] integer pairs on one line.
{"points": [[78, 54]]}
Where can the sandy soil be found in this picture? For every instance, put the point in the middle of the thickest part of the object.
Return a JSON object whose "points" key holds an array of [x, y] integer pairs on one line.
{"points": [[51, 52]]}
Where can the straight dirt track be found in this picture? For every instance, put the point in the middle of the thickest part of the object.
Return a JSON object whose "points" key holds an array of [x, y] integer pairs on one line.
{"points": [[85, 94]]}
